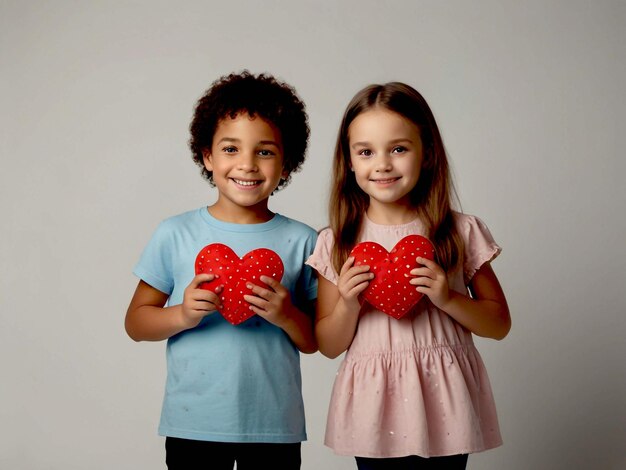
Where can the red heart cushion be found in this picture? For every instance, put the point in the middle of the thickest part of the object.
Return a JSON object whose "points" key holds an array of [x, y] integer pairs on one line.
{"points": [[390, 291], [234, 273]]}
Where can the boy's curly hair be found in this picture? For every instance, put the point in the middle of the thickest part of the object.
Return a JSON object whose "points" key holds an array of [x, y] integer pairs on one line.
{"points": [[257, 95]]}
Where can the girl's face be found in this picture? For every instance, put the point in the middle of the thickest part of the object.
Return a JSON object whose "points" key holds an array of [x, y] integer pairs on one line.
{"points": [[385, 155], [246, 159]]}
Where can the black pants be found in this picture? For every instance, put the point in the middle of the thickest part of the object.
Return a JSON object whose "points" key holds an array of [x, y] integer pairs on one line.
{"points": [[185, 454], [413, 462]]}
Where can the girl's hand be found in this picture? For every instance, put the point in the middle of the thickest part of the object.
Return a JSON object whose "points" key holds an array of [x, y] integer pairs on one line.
{"points": [[432, 281], [197, 303], [353, 280]]}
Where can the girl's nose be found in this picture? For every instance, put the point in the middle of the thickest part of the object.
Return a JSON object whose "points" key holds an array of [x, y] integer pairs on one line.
{"points": [[383, 163]]}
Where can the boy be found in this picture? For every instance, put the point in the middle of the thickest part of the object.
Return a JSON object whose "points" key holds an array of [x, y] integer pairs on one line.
{"points": [[233, 392]]}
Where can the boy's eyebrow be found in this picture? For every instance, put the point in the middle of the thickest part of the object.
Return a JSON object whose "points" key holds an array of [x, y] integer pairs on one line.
{"points": [[229, 139], [269, 142], [236, 141]]}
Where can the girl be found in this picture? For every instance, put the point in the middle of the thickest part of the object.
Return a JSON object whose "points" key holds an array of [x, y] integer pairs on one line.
{"points": [[411, 392]]}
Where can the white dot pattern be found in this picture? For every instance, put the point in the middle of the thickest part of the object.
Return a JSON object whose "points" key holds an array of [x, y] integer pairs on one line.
{"points": [[234, 273], [390, 291]]}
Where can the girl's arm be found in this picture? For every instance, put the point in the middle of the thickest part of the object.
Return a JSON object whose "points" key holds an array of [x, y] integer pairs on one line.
{"points": [[485, 314], [275, 306], [148, 320], [338, 308]]}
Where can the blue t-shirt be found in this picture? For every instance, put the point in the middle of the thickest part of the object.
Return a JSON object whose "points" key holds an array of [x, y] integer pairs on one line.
{"points": [[230, 383]]}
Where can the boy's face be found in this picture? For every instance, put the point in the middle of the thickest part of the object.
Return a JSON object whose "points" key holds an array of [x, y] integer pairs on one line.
{"points": [[246, 159]]}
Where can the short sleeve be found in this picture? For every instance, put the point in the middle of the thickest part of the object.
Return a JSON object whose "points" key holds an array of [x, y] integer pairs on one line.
{"points": [[307, 279], [321, 259], [155, 264], [479, 245]]}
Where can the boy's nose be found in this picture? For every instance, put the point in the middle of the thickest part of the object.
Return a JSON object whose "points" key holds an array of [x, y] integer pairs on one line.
{"points": [[247, 162]]}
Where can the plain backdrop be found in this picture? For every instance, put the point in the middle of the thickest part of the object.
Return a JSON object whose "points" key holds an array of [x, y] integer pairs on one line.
{"points": [[96, 99]]}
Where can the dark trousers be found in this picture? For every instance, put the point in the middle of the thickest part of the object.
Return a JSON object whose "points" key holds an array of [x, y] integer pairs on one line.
{"points": [[185, 454], [413, 462]]}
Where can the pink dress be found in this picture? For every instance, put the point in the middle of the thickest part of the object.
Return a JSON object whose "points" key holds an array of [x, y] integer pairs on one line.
{"points": [[417, 385]]}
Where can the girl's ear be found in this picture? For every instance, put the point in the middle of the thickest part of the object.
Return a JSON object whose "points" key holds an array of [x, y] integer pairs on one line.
{"points": [[206, 157]]}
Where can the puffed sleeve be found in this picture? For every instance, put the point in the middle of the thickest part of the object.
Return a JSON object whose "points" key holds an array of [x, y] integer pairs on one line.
{"points": [[321, 259], [480, 247]]}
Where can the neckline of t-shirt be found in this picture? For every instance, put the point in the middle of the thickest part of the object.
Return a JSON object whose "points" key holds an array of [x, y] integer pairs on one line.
{"points": [[369, 221], [233, 227]]}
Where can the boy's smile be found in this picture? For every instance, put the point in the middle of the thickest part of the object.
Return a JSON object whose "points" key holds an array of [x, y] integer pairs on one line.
{"points": [[246, 159]]}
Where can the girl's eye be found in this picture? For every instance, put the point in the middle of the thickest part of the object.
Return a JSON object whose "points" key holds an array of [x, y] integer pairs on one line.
{"points": [[399, 149], [365, 153]]}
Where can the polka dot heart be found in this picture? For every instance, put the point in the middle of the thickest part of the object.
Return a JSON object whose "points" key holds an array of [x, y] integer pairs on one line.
{"points": [[234, 273], [390, 291]]}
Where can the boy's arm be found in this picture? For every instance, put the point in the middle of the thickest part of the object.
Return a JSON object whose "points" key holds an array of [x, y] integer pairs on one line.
{"points": [[275, 306], [299, 327], [148, 320]]}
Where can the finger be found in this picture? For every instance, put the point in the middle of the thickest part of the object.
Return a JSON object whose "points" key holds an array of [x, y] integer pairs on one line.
{"points": [[202, 307], [356, 273], [429, 263], [423, 271], [358, 289], [354, 270], [201, 279], [361, 278], [347, 264], [202, 295], [273, 283], [421, 281], [259, 311], [256, 301], [423, 290], [260, 291]]}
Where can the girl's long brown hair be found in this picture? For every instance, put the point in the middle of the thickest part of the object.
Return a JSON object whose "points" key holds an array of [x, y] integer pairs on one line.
{"points": [[432, 195]]}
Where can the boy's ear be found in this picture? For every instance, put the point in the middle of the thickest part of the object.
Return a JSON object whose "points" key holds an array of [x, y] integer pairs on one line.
{"points": [[206, 157]]}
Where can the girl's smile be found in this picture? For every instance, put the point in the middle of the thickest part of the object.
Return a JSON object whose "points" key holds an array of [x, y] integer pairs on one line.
{"points": [[386, 181]]}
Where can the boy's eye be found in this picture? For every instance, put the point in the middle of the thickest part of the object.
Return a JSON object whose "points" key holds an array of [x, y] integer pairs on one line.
{"points": [[265, 153], [229, 149]]}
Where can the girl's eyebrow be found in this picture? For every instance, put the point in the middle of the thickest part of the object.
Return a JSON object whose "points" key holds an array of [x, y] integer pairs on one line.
{"points": [[360, 144], [392, 142]]}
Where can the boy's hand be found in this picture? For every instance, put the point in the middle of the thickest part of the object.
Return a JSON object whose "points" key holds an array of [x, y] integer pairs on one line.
{"points": [[273, 304], [197, 303], [432, 281], [353, 280]]}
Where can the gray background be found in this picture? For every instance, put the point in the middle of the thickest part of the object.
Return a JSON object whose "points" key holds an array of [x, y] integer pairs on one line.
{"points": [[96, 100]]}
